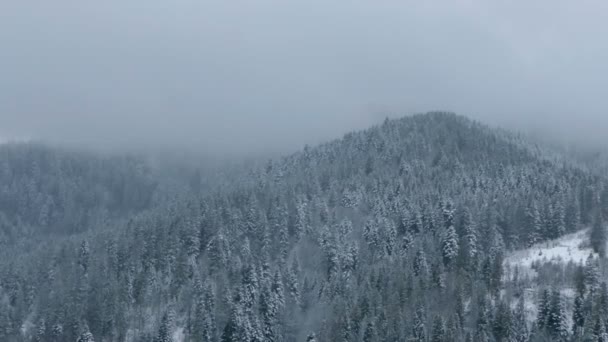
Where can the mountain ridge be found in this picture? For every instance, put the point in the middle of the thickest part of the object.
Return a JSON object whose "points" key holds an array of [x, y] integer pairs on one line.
{"points": [[383, 233]]}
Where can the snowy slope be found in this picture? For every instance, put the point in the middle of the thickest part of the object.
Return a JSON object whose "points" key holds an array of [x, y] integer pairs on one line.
{"points": [[569, 248]]}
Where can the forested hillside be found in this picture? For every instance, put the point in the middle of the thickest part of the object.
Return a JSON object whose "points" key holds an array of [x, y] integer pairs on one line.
{"points": [[396, 233], [51, 191]]}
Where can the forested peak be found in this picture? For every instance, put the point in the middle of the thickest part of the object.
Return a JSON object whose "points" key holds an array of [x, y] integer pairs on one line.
{"points": [[428, 148], [425, 138]]}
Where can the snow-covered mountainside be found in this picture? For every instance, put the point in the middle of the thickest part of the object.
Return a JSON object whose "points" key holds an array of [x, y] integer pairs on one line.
{"points": [[401, 232]]}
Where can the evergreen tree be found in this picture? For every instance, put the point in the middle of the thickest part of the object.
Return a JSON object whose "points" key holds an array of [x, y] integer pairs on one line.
{"points": [[449, 246], [578, 316], [535, 228], [438, 276], [414, 223], [419, 333], [40, 331], [460, 308], [86, 337], [520, 324], [544, 310], [556, 320], [239, 327], [219, 251], [6, 324], [301, 221], [502, 322], [164, 330], [602, 302], [599, 236], [203, 327], [370, 334], [191, 237], [293, 286], [84, 255], [482, 325], [346, 333], [420, 264], [371, 233], [271, 303], [438, 334], [559, 220], [469, 242], [406, 243], [592, 274], [599, 331], [281, 227]]}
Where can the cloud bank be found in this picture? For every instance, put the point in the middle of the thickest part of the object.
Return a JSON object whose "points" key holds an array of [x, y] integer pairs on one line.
{"points": [[250, 77]]}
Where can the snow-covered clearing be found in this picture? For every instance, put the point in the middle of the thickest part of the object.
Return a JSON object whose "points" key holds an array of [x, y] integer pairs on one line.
{"points": [[568, 248], [573, 248], [179, 335]]}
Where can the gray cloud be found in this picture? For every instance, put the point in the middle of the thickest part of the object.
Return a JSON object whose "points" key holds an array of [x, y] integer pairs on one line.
{"points": [[255, 76]]}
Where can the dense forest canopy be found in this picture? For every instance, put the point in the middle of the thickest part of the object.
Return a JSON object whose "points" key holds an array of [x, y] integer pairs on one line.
{"points": [[395, 233], [50, 191]]}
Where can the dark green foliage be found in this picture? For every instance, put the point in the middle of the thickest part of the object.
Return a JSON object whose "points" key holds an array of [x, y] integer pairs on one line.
{"points": [[438, 333], [503, 322], [599, 236], [557, 320], [544, 309]]}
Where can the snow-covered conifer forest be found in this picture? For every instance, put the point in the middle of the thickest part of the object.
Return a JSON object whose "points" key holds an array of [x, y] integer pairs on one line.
{"points": [[430, 227]]}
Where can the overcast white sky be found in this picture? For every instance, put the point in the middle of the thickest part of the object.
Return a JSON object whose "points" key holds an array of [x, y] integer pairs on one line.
{"points": [[271, 75]]}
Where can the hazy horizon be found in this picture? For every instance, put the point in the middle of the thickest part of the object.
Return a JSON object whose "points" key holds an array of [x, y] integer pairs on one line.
{"points": [[270, 77]]}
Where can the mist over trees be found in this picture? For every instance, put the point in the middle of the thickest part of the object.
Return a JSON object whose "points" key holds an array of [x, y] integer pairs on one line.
{"points": [[395, 233]]}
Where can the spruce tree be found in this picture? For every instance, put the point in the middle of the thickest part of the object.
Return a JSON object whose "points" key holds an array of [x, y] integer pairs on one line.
{"points": [[599, 236], [520, 323], [420, 264], [502, 322], [557, 320], [419, 333], [164, 330], [438, 332], [544, 307], [84, 254], [370, 334], [592, 274], [535, 227], [482, 333], [449, 246], [599, 331], [578, 316], [469, 243]]}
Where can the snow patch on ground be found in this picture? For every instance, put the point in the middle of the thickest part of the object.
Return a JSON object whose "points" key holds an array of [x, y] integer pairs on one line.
{"points": [[568, 248], [27, 326], [179, 335]]}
